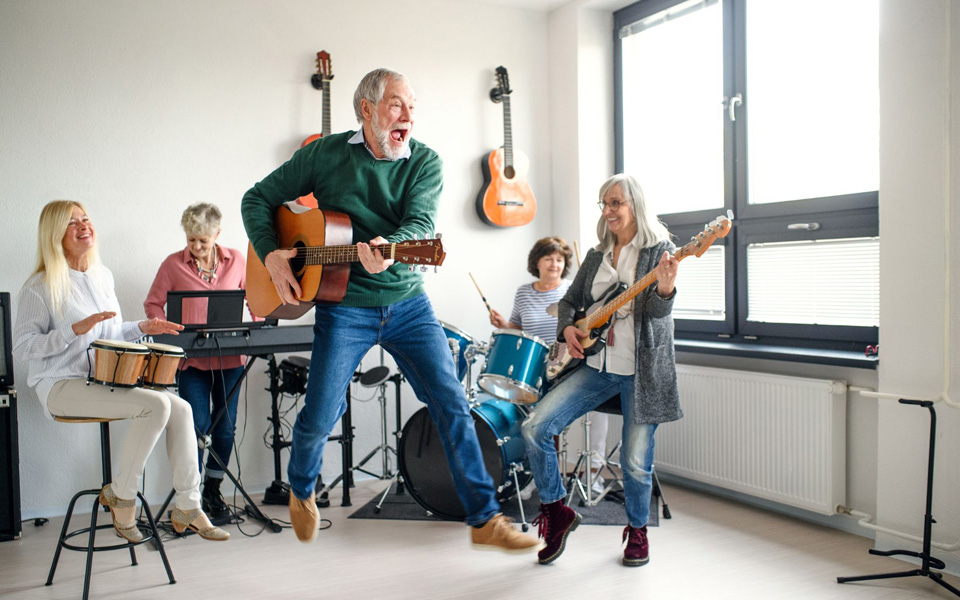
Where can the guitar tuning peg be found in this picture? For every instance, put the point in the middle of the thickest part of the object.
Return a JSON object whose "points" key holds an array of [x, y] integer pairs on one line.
{"points": [[423, 269], [411, 268], [438, 235]]}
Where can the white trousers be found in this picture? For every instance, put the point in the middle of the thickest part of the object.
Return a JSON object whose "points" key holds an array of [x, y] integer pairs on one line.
{"points": [[153, 412], [598, 438]]}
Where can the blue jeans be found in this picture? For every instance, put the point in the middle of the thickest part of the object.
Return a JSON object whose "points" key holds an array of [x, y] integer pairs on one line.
{"points": [[206, 392], [410, 332], [584, 390]]}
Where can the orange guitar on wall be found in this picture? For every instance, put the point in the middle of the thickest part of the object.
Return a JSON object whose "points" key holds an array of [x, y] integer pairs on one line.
{"points": [[506, 199], [321, 81], [323, 240]]}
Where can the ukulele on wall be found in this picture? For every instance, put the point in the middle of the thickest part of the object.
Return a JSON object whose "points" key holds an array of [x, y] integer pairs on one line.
{"points": [[321, 81], [505, 200]]}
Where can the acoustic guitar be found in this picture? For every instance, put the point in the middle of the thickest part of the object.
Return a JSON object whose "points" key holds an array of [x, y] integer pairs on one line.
{"points": [[505, 200], [321, 81], [595, 324], [323, 240]]}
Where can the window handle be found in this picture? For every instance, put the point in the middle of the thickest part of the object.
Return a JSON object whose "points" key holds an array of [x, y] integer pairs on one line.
{"points": [[803, 226], [734, 103]]}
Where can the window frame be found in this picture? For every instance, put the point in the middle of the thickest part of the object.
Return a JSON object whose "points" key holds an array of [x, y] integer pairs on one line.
{"points": [[848, 215]]}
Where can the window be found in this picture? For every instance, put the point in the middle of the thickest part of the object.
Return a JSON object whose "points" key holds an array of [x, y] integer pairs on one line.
{"points": [[769, 109]]}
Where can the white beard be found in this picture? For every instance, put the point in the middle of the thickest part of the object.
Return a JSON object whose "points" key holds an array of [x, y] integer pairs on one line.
{"points": [[383, 140]]}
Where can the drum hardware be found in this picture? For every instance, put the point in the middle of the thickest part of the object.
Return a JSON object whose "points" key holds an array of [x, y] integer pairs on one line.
{"points": [[463, 341], [377, 377]]}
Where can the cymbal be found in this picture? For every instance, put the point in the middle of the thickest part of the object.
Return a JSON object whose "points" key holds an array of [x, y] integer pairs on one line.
{"points": [[552, 309]]}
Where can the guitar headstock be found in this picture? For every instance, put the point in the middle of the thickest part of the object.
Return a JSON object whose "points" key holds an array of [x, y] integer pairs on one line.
{"points": [[324, 72], [699, 243], [419, 252], [503, 85]]}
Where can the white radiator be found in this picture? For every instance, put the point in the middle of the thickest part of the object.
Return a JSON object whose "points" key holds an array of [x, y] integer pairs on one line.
{"points": [[771, 436]]}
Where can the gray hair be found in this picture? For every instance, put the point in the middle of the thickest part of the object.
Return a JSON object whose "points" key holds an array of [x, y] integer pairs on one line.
{"points": [[371, 88], [201, 219], [652, 231]]}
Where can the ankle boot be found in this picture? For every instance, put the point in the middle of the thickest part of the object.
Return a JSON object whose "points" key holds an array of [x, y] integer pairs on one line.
{"points": [[211, 500], [555, 522]]}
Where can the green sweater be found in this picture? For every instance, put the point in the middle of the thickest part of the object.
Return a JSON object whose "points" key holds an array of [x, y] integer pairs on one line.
{"points": [[394, 199]]}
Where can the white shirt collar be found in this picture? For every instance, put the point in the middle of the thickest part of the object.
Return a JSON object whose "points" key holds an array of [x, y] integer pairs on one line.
{"points": [[358, 138]]}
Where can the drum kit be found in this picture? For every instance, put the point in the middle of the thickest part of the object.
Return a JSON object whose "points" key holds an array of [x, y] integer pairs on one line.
{"points": [[119, 364], [510, 380]]}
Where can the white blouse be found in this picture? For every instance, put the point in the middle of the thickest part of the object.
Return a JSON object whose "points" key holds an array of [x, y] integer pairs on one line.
{"points": [[46, 342]]}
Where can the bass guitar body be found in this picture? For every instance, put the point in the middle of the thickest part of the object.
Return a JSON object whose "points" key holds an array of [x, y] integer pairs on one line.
{"points": [[506, 200], [318, 283]]}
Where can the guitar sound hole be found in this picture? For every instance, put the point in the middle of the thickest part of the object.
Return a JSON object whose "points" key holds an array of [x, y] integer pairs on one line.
{"points": [[509, 172], [298, 262]]}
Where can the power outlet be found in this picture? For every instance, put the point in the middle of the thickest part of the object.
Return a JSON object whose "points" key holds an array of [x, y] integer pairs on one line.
{"points": [[4, 400]]}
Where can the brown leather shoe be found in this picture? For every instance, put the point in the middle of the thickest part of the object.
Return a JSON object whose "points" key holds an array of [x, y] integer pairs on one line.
{"points": [[304, 517], [499, 534]]}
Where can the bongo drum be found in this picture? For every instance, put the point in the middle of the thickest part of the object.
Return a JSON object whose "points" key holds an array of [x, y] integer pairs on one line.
{"points": [[117, 363], [163, 364]]}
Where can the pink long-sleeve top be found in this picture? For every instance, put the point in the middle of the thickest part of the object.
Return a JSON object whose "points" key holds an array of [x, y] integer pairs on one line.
{"points": [[178, 273]]}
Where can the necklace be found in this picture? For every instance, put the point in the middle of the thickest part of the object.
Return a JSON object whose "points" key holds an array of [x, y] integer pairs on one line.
{"points": [[208, 275]]}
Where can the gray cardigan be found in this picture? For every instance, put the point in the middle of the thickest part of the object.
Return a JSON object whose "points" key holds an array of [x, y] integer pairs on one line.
{"points": [[656, 397]]}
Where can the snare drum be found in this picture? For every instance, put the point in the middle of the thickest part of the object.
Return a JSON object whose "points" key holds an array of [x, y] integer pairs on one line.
{"points": [[118, 364], [463, 340], [426, 471], [515, 366], [163, 364]]}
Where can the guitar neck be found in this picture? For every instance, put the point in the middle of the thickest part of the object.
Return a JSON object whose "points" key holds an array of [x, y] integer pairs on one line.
{"points": [[507, 133], [326, 108], [332, 255]]}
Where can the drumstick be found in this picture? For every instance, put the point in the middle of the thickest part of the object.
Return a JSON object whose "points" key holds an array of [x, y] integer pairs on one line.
{"points": [[482, 297], [576, 249]]}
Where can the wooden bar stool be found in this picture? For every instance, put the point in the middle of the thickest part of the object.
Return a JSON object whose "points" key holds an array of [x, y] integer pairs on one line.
{"points": [[65, 535]]}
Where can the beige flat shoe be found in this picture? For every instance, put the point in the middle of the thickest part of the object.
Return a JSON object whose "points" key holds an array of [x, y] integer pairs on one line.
{"points": [[130, 531], [185, 520]]}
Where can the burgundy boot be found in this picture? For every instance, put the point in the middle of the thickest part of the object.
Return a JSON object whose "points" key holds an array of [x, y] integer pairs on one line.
{"points": [[555, 521], [637, 552]]}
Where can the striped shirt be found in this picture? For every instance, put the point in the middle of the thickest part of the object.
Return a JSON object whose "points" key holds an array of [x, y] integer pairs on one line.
{"points": [[46, 342], [530, 310]]}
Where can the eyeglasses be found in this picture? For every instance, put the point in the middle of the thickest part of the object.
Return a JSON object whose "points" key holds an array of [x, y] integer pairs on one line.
{"points": [[614, 205]]}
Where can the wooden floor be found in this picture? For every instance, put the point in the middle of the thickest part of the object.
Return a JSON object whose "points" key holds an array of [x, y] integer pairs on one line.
{"points": [[711, 548]]}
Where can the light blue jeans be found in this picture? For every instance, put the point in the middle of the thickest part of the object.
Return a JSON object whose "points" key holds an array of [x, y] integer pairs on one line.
{"points": [[582, 391], [410, 332]]}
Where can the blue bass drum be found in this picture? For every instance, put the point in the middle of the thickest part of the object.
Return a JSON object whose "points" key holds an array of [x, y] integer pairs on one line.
{"points": [[424, 466]]}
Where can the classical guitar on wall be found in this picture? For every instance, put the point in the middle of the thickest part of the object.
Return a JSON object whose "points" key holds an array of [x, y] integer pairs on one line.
{"points": [[595, 324], [321, 81], [323, 240], [505, 200]]}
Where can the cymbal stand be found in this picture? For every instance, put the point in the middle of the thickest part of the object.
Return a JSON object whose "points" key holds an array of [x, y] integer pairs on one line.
{"points": [[396, 378], [377, 377], [585, 464], [928, 562]]}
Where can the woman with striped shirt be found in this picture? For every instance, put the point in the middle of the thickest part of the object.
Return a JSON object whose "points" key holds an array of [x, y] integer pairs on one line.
{"points": [[549, 262]]}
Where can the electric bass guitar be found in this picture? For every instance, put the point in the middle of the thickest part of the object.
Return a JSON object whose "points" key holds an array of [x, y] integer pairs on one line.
{"points": [[505, 200], [321, 81], [323, 240], [595, 324]]}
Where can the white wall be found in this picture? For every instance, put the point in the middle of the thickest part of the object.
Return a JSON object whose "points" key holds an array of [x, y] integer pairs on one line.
{"points": [[140, 109]]}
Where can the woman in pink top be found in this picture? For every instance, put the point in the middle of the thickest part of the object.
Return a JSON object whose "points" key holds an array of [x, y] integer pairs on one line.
{"points": [[204, 382]]}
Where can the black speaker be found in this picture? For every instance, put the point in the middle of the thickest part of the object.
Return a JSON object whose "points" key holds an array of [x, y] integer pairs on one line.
{"points": [[9, 467], [9, 442]]}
